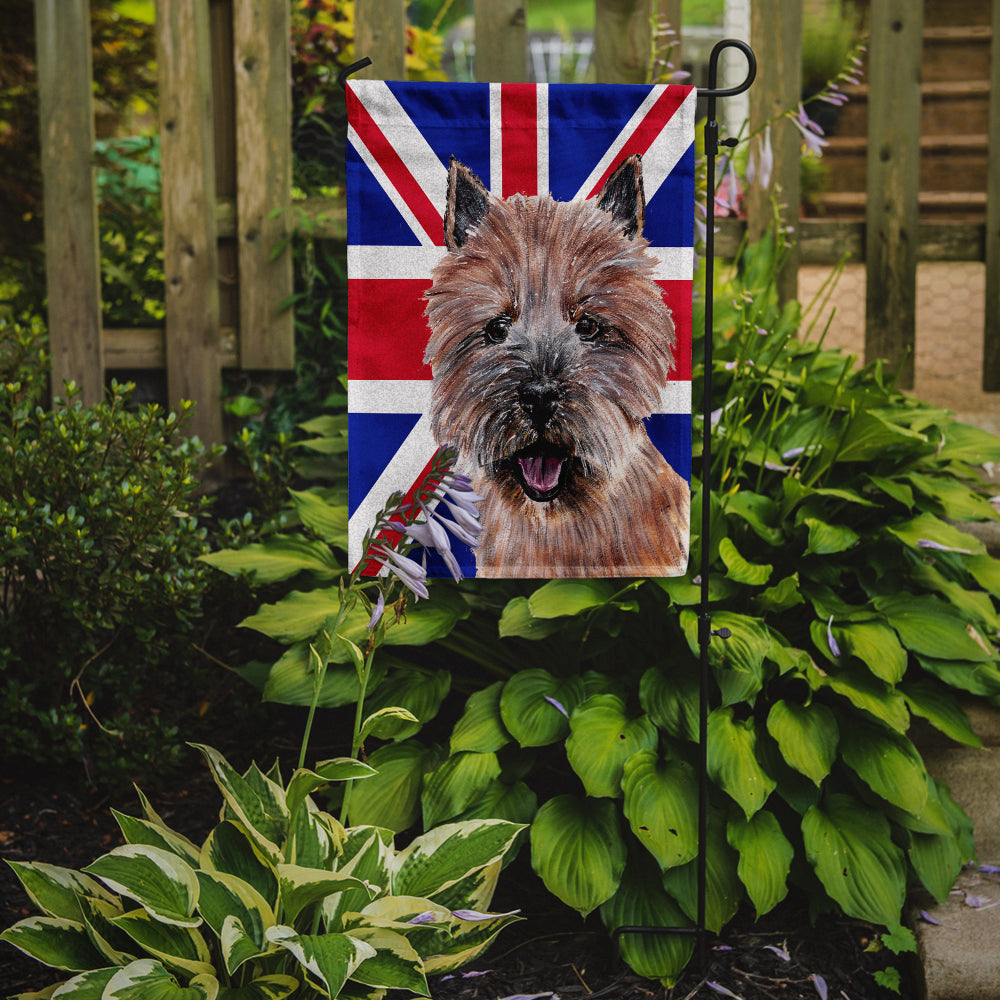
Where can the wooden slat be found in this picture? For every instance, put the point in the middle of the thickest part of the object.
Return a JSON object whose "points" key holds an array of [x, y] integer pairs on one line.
{"points": [[380, 34], [501, 41], [991, 332], [262, 62], [190, 254], [72, 257], [776, 36], [621, 40], [144, 348], [893, 184]]}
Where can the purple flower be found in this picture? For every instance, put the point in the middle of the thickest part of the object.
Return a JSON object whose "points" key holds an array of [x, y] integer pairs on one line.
{"points": [[834, 648], [552, 701], [719, 988], [761, 163], [427, 917], [927, 543], [780, 952], [476, 915], [820, 983], [377, 611], [411, 574], [811, 132]]}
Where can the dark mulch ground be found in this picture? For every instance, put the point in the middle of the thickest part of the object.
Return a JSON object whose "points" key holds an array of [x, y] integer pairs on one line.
{"points": [[550, 952]]}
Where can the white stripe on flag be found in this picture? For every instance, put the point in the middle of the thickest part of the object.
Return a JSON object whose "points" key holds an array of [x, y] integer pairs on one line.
{"points": [[394, 196], [408, 141], [668, 147], [400, 473], [675, 397], [542, 140], [496, 142], [674, 263], [372, 395]]}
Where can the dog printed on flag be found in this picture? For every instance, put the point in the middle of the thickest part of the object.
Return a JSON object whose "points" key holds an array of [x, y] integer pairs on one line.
{"points": [[520, 263]]}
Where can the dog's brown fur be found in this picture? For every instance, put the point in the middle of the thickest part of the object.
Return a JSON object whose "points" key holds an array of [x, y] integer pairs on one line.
{"points": [[549, 345]]}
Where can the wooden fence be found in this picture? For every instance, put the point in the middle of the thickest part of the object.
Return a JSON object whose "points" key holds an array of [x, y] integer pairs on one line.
{"points": [[226, 161]]}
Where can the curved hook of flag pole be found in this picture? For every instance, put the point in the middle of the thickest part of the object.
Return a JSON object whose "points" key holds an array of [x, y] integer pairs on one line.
{"points": [[346, 71]]}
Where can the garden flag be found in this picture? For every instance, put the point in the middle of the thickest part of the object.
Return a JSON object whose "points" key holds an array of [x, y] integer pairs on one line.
{"points": [[520, 263]]}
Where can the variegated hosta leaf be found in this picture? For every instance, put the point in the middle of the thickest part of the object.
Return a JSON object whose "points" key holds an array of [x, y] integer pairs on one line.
{"points": [[732, 760], [661, 800], [468, 939], [141, 831], [602, 737], [456, 784], [481, 727], [395, 964], [177, 947], [56, 891], [226, 897], [256, 801], [642, 902], [367, 853], [147, 979], [301, 887], [238, 944], [476, 890], [441, 857], [158, 880], [116, 946], [304, 782], [315, 838], [230, 849], [850, 847], [578, 851], [765, 858], [329, 959], [274, 987], [86, 986], [54, 941], [807, 736]]}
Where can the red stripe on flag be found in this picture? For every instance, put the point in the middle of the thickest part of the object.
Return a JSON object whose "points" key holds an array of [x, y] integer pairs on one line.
{"points": [[677, 295], [387, 328], [399, 175], [647, 130], [519, 139]]}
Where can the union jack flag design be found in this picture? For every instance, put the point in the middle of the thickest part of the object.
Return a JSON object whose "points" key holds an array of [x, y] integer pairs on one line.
{"points": [[533, 139]]}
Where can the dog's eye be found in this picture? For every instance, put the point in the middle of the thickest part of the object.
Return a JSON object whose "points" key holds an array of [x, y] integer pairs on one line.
{"points": [[497, 329], [589, 328]]}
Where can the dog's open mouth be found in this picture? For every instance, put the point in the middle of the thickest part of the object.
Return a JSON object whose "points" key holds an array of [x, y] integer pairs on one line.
{"points": [[540, 473]]}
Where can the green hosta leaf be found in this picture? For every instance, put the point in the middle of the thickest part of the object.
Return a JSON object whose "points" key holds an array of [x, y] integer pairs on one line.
{"points": [[661, 800], [827, 539], [807, 736], [230, 849], [275, 987], [732, 760], [386, 723], [738, 569], [238, 944], [416, 689], [758, 511], [876, 646], [671, 700], [937, 860], [928, 528], [159, 881], [602, 738], [481, 728], [141, 831], [738, 661], [54, 941], [850, 847], [291, 680], [330, 959], [941, 709], [888, 763], [870, 436], [976, 678], [641, 901], [528, 714], [723, 889], [765, 858], [893, 488], [180, 948], [517, 620], [578, 851], [456, 784], [147, 979], [225, 897], [976, 605], [56, 891], [261, 809], [783, 595], [443, 856], [391, 798], [327, 520], [279, 558], [986, 572], [957, 501], [865, 692], [931, 628], [965, 443], [559, 598], [301, 887], [395, 964], [515, 803]]}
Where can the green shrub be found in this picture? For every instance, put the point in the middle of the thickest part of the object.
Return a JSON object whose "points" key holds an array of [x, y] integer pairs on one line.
{"points": [[280, 899], [99, 546]]}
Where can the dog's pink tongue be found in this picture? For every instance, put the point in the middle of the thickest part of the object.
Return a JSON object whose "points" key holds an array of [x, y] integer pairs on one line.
{"points": [[541, 473]]}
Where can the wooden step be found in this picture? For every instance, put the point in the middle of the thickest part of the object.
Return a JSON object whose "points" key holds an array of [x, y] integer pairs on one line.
{"points": [[958, 206], [941, 13], [956, 53], [946, 104]]}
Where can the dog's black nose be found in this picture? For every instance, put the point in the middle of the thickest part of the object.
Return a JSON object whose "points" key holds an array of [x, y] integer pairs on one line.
{"points": [[539, 399]]}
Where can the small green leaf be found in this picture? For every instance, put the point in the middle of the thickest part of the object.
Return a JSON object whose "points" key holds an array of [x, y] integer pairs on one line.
{"points": [[180, 948], [384, 723], [481, 727], [888, 763], [936, 704], [739, 569], [732, 760], [765, 858], [807, 736], [932, 628], [517, 620], [559, 598], [56, 891], [827, 539], [927, 527], [327, 520], [301, 887]]}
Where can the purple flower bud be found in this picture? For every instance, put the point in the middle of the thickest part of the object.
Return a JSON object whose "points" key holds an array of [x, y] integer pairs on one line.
{"points": [[834, 648], [820, 983], [552, 701], [377, 611], [427, 917], [927, 543]]}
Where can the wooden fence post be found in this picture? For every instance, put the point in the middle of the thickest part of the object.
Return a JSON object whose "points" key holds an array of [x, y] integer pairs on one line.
{"points": [[190, 251], [262, 61], [991, 332], [501, 41], [72, 255], [622, 40], [380, 34], [893, 183], [776, 35]]}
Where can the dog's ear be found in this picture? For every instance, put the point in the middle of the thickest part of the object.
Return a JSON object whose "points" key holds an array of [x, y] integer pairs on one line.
{"points": [[468, 203], [623, 197]]}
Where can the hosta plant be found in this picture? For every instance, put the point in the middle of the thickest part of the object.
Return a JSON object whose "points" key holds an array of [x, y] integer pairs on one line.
{"points": [[279, 900]]}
